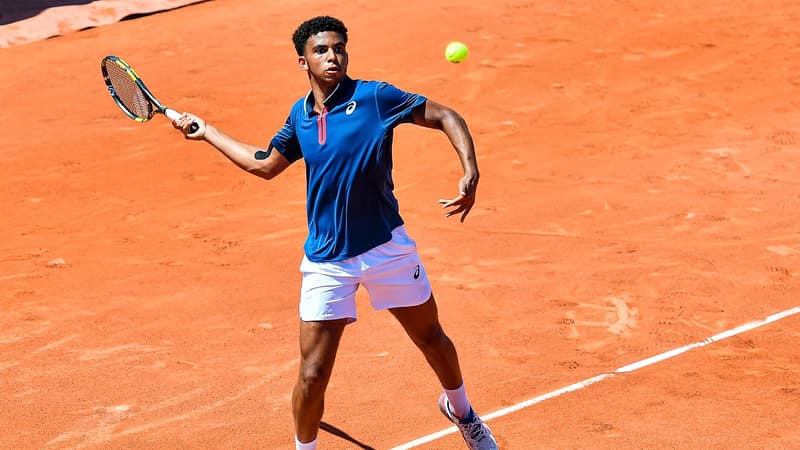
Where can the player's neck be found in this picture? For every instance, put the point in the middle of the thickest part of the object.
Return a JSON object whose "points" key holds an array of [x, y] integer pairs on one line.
{"points": [[321, 93]]}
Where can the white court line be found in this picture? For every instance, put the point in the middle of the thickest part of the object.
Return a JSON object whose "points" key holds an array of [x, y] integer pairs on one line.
{"points": [[598, 378]]}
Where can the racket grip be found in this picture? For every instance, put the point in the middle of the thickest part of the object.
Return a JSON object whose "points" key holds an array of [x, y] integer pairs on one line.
{"points": [[172, 114], [175, 115]]}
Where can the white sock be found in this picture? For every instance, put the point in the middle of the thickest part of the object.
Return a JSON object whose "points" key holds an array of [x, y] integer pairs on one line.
{"points": [[307, 446], [458, 401]]}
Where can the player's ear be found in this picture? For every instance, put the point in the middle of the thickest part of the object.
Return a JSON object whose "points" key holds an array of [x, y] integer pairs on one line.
{"points": [[302, 63]]}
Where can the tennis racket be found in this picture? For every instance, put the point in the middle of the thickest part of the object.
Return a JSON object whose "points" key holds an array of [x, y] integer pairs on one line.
{"points": [[131, 95]]}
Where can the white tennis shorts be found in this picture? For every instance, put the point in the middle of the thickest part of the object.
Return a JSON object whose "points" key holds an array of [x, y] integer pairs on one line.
{"points": [[392, 274]]}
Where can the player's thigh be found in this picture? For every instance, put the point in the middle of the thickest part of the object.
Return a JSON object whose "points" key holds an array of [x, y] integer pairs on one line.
{"points": [[319, 342], [420, 322], [327, 292], [396, 277]]}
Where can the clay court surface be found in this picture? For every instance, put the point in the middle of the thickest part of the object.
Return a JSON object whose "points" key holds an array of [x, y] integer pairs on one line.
{"points": [[639, 193]]}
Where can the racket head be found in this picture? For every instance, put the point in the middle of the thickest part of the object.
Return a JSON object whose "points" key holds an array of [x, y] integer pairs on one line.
{"points": [[128, 90]]}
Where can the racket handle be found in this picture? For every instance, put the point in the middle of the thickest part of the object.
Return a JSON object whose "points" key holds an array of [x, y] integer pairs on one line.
{"points": [[175, 115], [172, 114]]}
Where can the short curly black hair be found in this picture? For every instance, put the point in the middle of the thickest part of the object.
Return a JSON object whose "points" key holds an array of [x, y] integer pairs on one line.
{"points": [[319, 24]]}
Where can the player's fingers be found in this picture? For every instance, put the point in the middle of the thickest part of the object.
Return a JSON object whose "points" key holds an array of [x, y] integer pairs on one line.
{"points": [[177, 122], [463, 205], [456, 212], [191, 126], [467, 209], [180, 122], [448, 203]]}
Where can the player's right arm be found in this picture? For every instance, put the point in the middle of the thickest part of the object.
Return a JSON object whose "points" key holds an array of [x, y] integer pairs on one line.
{"points": [[260, 162]]}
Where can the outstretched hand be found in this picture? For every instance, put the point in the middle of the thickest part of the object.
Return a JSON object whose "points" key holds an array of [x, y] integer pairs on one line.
{"points": [[465, 200]]}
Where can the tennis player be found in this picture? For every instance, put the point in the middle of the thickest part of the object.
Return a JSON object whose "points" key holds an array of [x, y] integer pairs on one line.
{"points": [[343, 129]]}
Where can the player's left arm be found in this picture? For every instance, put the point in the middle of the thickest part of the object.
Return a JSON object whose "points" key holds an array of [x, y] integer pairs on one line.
{"points": [[434, 115]]}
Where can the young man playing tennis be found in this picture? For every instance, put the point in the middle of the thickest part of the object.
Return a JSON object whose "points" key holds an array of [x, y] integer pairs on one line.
{"points": [[343, 129]]}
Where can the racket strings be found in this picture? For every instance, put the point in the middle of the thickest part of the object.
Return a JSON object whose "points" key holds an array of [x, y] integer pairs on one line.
{"points": [[128, 92]]}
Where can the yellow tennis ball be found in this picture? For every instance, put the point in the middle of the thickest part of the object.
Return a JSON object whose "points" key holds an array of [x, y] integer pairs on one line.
{"points": [[456, 52]]}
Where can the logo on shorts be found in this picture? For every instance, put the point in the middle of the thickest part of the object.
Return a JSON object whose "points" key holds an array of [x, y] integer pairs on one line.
{"points": [[416, 272]]}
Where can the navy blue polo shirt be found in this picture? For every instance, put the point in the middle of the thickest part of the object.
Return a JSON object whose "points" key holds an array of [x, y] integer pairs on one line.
{"points": [[351, 207]]}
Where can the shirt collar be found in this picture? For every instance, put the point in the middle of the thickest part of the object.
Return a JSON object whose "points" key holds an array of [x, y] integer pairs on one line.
{"points": [[333, 99]]}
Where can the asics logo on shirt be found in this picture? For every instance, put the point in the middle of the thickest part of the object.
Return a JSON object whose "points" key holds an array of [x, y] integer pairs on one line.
{"points": [[416, 272], [350, 108]]}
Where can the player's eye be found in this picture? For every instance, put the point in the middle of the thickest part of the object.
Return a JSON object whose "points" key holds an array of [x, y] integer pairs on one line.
{"points": [[339, 50]]}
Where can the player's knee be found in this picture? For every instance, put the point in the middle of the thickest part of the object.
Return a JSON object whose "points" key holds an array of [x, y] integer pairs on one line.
{"points": [[313, 380], [433, 338]]}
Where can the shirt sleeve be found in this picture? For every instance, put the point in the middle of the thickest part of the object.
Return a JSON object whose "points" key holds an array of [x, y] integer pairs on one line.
{"points": [[395, 105], [286, 142]]}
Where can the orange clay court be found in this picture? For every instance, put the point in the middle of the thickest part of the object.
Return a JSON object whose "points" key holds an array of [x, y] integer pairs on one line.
{"points": [[639, 195]]}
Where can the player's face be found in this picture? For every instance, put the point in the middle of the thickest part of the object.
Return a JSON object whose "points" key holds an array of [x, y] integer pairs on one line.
{"points": [[325, 57]]}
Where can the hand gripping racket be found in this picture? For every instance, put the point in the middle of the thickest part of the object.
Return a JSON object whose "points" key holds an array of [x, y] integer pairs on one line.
{"points": [[131, 95]]}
